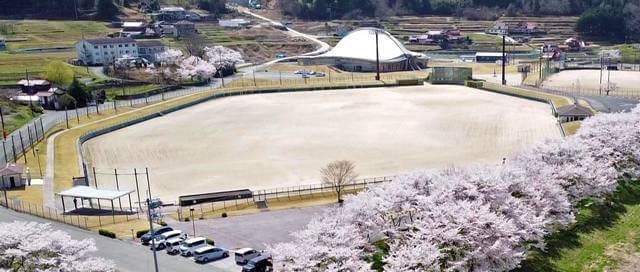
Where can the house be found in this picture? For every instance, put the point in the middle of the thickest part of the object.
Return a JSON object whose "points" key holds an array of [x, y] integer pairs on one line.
{"points": [[32, 86], [234, 23], [574, 44], [573, 112], [185, 29], [149, 49], [11, 174], [133, 29], [500, 28], [105, 50], [172, 14]]}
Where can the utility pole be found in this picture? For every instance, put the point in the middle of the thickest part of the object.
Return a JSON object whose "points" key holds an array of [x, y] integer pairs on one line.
{"points": [[153, 243], [377, 58], [601, 67], [4, 135], [504, 60]]}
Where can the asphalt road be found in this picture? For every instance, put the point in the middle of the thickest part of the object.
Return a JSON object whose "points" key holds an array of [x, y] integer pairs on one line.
{"points": [[605, 104], [127, 255], [252, 230]]}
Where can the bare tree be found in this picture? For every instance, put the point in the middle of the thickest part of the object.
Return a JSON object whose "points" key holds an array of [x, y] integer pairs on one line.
{"points": [[195, 44], [339, 174]]}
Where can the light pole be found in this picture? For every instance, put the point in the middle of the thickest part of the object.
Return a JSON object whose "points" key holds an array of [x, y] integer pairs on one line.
{"points": [[377, 58], [193, 222], [153, 240], [38, 159]]}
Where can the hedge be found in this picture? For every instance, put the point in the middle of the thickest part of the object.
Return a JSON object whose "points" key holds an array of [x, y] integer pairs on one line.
{"points": [[210, 242], [141, 232], [409, 82], [107, 233]]}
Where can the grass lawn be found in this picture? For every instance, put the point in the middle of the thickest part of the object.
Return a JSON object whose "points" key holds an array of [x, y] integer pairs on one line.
{"points": [[605, 237], [50, 33], [571, 128], [112, 92], [15, 115], [13, 67]]}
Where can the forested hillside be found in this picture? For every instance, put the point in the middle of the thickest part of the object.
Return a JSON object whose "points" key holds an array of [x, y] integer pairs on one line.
{"points": [[619, 19]]}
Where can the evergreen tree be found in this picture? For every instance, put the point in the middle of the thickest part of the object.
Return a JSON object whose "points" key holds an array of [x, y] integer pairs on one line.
{"points": [[78, 92], [106, 9]]}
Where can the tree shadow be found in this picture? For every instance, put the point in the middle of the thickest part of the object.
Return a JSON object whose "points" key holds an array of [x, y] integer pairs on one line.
{"points": [[593, 216]]}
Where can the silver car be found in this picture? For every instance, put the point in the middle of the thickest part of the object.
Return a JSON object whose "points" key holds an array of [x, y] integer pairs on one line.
{"points": [[161, 239], [209, 253]]}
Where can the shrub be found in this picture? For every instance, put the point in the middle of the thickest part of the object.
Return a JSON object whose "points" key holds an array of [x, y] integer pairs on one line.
{"points": [[162, 223], [210, 242], [141, 232], [107, 233], [407, 82], [224, 214], [473, 83], [186, 219]]}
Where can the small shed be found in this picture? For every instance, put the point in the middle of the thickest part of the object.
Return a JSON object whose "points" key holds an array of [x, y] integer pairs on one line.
{"points": [[573, 112], [88, 193], [12, 176]]}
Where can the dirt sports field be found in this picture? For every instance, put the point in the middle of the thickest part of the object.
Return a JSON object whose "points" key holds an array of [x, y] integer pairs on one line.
{"points": [[277, 140], [590, 79]]}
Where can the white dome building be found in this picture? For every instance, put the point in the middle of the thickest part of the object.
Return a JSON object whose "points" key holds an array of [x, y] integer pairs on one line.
{"points": [[357, 52]]}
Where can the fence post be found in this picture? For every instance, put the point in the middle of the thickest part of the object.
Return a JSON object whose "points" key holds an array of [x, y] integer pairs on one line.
{"points": [[24, 154], [13, 147]]}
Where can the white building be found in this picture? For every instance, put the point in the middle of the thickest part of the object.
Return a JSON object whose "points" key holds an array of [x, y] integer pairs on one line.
{"points": [[11, 176], [105, 50], [150, 49], [357, 52]]}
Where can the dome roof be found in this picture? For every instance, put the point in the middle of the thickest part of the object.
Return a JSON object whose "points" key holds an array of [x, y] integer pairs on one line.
{"points": [[361, 44]]}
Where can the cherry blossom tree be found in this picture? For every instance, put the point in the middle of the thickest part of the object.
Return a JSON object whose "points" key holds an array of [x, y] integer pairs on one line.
{"points": [[483, 218], [176, 66], [223, 58], [32, 246]]}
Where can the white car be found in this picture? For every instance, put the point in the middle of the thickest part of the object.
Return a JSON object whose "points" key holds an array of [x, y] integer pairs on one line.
{"points": [[243, 255], [209, 253], [160, 240], [173, 245], [190, 245], [299, 72]]}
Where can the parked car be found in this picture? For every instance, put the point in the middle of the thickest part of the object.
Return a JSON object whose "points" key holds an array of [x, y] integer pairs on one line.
{"points": [[146, 238], [258, 264], [311, 73], [243, 255], [320, 74], [280, 56], [173, 245], [161, 239], [300, 72], [190, 245], [209, 253], [305, 76]]}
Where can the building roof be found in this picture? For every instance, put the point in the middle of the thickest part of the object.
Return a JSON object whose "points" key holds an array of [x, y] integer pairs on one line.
{"points": [[33, 82], [11, 169], [133, 24], [111, 40], [93, 193], [361, 44], [172, 9], [184, 22], [488, 54], [150, 43], [574, 110]]}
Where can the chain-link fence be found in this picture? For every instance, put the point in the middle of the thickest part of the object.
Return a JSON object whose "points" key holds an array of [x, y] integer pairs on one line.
{"points": [[266, 196]]}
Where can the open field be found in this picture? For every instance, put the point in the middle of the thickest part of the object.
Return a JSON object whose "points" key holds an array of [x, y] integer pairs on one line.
{"points": [[275, 140], [50, 33], [588, 81]]}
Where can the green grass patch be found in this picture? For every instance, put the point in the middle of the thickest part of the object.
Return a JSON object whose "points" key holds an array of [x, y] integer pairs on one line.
{"points": [[15, 115], [46, 33], [571, 128], [112, 92], [600, 229]]}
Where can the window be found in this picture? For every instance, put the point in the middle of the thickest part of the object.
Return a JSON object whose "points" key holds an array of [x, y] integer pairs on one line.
{"points": [[104, 46], [111, 46], [95, 47], [127, 51], [119, 45], [106, 53], [126, 45]]}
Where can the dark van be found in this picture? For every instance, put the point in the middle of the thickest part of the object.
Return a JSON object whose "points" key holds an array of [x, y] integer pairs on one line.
{"points": [[258, 264]]}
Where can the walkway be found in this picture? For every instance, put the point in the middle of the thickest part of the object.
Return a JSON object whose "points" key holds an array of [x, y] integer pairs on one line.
{"points": [[605, 104]]}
